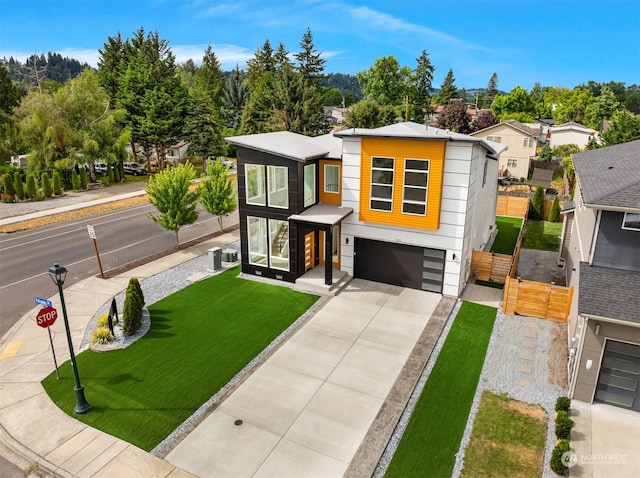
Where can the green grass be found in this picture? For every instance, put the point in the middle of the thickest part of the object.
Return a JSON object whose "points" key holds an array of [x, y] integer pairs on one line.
{"points": [[200, 338], [508, 231], [508, 439], [542, 235], [432, 438]]}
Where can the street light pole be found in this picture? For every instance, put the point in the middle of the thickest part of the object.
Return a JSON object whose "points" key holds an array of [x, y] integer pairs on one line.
{"points": [[58, 275]]}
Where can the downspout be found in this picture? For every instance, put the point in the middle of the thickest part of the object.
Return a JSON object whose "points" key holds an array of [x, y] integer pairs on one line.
{"points": [[578, 358]]}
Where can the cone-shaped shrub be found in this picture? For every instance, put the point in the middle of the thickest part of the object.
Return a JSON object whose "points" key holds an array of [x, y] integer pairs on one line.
{"points": [[7, 182], [75, 181], [132, 310], [110, 173], [57, 183], [31, 186], [554, 212], [18, 184], [537, 204], [45, 184]]}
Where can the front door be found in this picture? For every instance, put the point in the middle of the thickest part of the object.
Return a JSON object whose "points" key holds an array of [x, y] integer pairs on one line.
{"points": [[309, 251], [335, 245]]}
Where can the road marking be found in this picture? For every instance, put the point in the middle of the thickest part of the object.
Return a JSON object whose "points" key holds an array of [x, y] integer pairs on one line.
{"points": [[11, 350]]}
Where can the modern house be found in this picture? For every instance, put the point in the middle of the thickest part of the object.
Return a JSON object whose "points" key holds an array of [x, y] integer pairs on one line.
{"points": [[522, 142], [570, 133], [600, 249], [404, 204]]}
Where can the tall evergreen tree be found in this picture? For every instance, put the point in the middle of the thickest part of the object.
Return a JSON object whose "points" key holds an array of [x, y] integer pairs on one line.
{"points": [[448, 90], [492, 91], [421, 88], [208, 80], [110, 66], [235, 95], [263, 62], [310, 62]]}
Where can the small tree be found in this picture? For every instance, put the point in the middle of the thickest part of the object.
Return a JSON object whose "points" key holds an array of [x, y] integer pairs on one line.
{"points": [[57, 183], [132, 309], [169, 193], [554, 212], [19, 185], [545, 153], [84, 179], [32, 190], [537, 204], [216, 192], [75, 180], [45, 184], [9, 189]]}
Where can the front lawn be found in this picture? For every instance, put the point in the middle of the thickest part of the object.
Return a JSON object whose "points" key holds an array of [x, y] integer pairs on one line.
{"points": [[200, 338], [432, 438], [542, 235], [508, 231], [508, 439]]}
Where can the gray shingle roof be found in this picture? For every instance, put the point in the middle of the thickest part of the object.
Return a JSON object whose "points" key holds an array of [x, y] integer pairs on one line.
{"points": [[610, 176], [608, 292]]}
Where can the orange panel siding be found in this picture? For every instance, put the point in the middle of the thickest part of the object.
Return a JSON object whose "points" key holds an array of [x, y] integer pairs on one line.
{"points": [[401, 149], [328, 197]]}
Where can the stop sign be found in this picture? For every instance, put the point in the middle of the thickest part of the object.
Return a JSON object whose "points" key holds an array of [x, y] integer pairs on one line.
{"points": [[46, 317]]}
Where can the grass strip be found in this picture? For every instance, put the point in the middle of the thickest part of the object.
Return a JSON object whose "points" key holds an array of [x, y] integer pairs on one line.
{"points": [[542, 235], [508, 231], [508, 439], [200, 338], [432, 438]]}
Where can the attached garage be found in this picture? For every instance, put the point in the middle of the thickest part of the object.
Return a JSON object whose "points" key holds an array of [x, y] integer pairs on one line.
{"points": [[399, 264], [619, 378]]}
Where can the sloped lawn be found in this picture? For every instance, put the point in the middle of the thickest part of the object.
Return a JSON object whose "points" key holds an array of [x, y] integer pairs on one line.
{"points": [[200, 338], [508, 231], [432, 438]]}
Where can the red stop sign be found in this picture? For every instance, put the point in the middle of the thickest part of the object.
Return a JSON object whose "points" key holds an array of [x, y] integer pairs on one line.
{"points": [[46, 317]]}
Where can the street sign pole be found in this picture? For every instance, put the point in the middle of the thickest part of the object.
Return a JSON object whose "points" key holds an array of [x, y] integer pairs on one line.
{"points": [[92, 235], [45, 318], [55, 362]]}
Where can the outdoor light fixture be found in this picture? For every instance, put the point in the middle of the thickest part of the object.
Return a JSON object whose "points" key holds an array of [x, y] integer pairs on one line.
{"points": [[58, 274]]}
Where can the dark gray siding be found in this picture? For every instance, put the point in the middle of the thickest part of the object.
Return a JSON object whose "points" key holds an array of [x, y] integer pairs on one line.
{"points": [[616, 247]]}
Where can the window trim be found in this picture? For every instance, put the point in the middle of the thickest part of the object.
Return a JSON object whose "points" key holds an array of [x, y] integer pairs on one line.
{"points": [[264, 225], [274, 188], [425, 188], [261, 185], [624, 221], [313, 200], [324, 186], [270, 245], [495, 139], [373, 198]]}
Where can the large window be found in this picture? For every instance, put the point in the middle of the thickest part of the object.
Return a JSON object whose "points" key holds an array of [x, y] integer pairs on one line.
{"points": [[278, 190], [309, 185], [631, 221], [268, 242], [331, 178], [279, 241], [257, 228], [254, 184], [381, 183], [416, 179]]}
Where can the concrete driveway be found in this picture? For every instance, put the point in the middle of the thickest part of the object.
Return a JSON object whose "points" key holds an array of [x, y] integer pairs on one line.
{"points": [[306, 410]]}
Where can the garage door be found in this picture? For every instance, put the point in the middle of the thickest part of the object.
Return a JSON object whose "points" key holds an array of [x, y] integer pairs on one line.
{"points": [[399, 264], [619, 379]]}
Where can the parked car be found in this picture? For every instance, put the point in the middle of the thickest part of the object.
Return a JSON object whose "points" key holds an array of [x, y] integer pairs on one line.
{"points": [[134, 168], [100, 167], [227, 162]]}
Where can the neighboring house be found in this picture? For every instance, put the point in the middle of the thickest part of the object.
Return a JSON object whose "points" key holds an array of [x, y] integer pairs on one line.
{"points": [[177, 152], [600, 248], [570, 133], [521, 141], [404, 204], [334, 115]]}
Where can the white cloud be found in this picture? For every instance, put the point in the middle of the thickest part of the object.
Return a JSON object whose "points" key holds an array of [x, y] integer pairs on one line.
{"points": [[228, 55]]}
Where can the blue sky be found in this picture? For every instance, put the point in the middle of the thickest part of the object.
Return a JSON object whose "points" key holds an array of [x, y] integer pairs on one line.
{"points": [[554, 42]]}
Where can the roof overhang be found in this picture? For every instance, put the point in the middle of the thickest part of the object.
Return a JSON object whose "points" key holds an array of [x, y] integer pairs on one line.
{"points": [[322, 214]]}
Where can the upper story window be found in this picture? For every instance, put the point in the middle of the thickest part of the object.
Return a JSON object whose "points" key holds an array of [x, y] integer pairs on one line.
{"points": [[331, 178], [309, 185], [278, 190], [495, 139], [528, 142], [631, 221], [414, 193], [382, 170], [254, 184]]}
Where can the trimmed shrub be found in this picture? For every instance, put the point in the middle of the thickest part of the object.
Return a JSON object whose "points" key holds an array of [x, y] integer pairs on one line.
{"points": [[556, 462], [554, 212], [116, 174], [84, 179], [563, 403], [75, 181], [57, 183], [45, 185], [101, 335], [537, 204], [31, 186], [19, 185], [132, 310], [564, 424], [110, 174], [7, 183]]}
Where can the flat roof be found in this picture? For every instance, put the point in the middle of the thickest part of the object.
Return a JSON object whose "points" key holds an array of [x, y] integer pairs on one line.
{"points": [[283, 143], [325, 214]]}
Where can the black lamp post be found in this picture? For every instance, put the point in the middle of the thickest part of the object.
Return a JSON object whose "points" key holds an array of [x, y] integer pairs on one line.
{"points": [[58, 275]]}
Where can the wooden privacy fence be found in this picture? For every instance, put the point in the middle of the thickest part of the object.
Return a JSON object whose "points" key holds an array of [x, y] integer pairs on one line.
{"points": [[535, 299], [512, 206], [490, 267]]}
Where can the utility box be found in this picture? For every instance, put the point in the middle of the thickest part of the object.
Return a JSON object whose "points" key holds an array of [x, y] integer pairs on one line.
{"points": [[215, 259], [229, 255]]}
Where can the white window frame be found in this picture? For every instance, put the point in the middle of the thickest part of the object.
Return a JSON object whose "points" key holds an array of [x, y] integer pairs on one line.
{"points": [[260, 182], [326, 167], [373, 198], [624, 221], [495, 139], [262, 237], [274, 227], [275, 184], [310, 201], [412, 202], [528, 142]]}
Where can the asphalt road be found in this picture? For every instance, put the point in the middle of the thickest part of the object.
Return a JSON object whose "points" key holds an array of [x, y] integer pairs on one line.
{"points": [[123, 236]]}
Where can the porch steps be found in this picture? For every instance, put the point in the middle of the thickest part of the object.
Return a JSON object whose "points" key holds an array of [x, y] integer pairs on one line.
{"points": [[313, 282]]}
